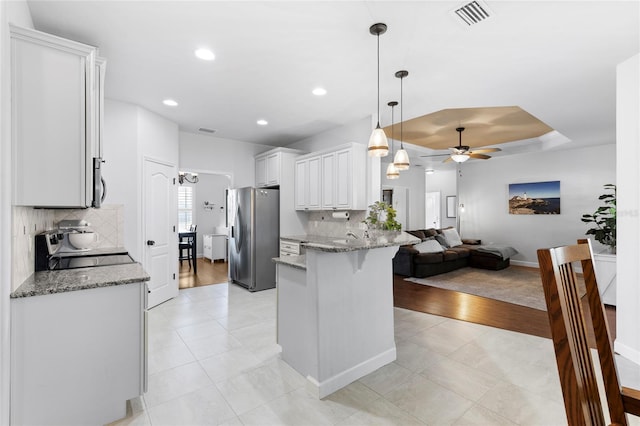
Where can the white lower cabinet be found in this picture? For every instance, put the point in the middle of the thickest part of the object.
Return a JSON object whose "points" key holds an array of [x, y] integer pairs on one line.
{"points": [[77, 357], [214, 247], [290, 248]]}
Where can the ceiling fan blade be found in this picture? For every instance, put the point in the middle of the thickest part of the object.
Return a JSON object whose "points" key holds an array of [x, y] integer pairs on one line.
{"points": [[447, 160], [434, 155], [479, 156], [485, 150]]}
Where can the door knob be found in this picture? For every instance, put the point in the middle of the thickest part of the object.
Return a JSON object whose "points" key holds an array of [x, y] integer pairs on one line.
{"points": [[151, 242]]}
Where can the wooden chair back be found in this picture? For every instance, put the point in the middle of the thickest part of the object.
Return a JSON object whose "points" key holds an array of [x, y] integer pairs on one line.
{"points": [[569, 333]]}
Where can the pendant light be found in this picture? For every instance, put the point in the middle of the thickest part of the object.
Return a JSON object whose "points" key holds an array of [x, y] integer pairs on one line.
{"points": [[378, 145], [392, 172], [401, 160]]}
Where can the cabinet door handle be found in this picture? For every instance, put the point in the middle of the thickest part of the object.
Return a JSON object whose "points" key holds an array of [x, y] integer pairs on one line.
{"points": [[151, 242]]}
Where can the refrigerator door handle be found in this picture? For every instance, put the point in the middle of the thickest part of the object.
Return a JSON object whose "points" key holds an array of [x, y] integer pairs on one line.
{"points": [[239, 237]]}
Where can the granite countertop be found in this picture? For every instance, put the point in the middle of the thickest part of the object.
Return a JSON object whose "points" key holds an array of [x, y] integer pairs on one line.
{"points": [[62, 281], [344, 244], [299, 262]]}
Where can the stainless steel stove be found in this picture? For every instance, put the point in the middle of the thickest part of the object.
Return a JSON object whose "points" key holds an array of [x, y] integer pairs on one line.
{"points": [[51, 253]]}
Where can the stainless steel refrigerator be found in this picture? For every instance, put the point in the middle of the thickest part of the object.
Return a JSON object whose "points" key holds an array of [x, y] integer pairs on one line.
{"points": [[254, 222]]}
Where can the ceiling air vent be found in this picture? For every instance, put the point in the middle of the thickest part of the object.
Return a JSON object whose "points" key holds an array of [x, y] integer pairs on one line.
{"points": [[472, 13], [205, 130]]}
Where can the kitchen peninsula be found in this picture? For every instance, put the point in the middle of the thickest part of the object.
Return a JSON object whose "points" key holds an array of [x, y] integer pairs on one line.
{"points": [[335, 307]]}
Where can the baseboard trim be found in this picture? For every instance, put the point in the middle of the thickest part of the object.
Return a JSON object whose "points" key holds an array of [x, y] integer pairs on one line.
{"points": [[524, 263], [342, 379], [626, 351]]}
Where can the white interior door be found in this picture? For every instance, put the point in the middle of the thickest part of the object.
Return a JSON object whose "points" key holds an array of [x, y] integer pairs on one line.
{"points": [[160, 213], [432, 209]]}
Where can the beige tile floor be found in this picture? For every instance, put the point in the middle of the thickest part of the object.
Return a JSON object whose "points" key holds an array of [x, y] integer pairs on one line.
{"points": [[213, 361]]}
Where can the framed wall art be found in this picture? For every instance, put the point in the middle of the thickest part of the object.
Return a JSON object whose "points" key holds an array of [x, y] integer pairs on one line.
{"points": [[534, 198]]}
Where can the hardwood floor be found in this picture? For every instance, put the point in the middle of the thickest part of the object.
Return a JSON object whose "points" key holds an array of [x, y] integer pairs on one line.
{"points": [[208, 273], [480, 310]]}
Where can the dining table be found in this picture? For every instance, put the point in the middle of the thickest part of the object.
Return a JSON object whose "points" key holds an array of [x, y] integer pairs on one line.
{"points": [[190, 236]]}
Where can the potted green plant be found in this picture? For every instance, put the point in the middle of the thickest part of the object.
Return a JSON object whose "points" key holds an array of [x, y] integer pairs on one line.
{"points": [[382, 216], [604, 219]]}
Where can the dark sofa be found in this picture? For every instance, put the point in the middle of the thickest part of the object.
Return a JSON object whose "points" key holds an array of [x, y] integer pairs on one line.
{"points": [[410, 262]]}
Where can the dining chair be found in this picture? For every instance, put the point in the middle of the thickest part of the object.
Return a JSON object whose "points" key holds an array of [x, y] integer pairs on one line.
{"points": [[188, 243], [570, 339]]}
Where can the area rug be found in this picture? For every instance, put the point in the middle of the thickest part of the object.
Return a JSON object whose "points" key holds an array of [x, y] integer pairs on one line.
{"points": [[515, 284]]}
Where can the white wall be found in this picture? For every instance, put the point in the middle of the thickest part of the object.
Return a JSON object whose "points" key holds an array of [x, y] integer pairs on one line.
{"points": [[413, 180], [132, 133], [211, 188], [223, 156], [358, 132], [16, 12], [443, 181], [628, 222], [122, 167], [483, 188]]}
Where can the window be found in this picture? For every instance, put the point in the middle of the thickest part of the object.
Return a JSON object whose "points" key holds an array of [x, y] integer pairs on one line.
{"points": [[185, 207]]}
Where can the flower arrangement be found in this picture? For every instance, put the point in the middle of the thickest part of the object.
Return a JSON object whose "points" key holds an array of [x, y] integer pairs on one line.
{"points": [[382, 216], [604, 219]]}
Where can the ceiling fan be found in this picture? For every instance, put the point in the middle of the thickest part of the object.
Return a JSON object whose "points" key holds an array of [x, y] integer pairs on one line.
{"points": [[462, 153]]}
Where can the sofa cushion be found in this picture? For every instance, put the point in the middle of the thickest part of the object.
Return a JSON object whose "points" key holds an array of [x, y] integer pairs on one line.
{"points": [[450, 255], [422, 258], [429, 246], [471, 241], [462, 251], [442, 240], [452, 237], [418, 234], [431, 232]]}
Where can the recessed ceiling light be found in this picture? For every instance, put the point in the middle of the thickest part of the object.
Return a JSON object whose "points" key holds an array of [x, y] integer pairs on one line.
{"points": [[205, 54], [429, 171], [262, 122], [319, 91], [170, 102]]}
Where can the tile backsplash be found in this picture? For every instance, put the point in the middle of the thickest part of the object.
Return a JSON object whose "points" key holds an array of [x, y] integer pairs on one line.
{"points": [[107, 222], [323, 223]]}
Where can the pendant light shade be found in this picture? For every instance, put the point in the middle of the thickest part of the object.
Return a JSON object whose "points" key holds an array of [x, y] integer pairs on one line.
{"points": [[378, 145], [392, 171], [401, 159]]}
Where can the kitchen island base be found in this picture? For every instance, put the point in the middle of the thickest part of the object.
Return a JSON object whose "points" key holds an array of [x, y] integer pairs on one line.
{"points": [[335, 318]]}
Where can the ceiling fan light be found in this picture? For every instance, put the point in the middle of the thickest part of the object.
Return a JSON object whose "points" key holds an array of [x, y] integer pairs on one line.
{"points": [[392, 172], [401, 160], [378, 144], [460, 158]]}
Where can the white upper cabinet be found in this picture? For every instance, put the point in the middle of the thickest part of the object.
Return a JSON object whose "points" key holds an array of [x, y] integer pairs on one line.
{"points": [[268, 169], [307, 183], [55, 119], [339, 178], [261, 171], [272, 165]]}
